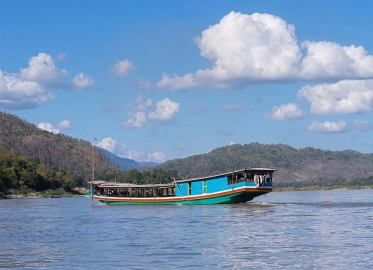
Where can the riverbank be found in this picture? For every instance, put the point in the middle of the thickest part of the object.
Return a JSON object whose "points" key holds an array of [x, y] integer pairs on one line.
{"points": [[31, 194]]}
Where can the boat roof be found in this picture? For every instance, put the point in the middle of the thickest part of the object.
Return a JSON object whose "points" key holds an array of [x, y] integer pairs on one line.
{"points": [[130, 185], [269, 170], [102, 183]]}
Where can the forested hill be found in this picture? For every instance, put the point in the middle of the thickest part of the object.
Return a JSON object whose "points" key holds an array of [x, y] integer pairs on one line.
{"points": [[307, 164], [56, 151]]}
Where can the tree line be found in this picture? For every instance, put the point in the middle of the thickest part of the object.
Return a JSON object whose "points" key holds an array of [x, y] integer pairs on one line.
{"points": [[21, 172]]}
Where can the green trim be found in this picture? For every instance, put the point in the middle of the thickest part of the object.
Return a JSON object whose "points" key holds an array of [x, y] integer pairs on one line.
{"points": [[240, 197], [204, 187]]}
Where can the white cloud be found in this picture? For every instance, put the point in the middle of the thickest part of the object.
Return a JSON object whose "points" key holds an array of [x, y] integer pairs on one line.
{"points": [[142, 105], [178, 83], [131, 154], [233, 107], [16, 93], [138, 120], [158, 157], [27, 89], [328, 127], [165, 110], [42, 70], [48, 127], [262, 48], [285, 112], [109, 144], [65, 124], [344, 97], [122, 68], [325, 60], [124, 152], [362, 125], [82, 82]]}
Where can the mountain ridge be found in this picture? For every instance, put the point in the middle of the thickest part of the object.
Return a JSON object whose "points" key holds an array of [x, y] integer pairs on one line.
{"points": [[293, 165], [56, 151], [127, 163]]}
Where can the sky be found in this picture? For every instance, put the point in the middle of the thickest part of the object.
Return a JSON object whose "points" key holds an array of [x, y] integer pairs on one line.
{"points": [[159, 80]]}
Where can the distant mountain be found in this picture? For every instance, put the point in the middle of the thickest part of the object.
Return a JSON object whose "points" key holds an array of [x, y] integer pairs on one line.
{"points": [[126, 163], [56, 151], [148, 164], [307, 164]]}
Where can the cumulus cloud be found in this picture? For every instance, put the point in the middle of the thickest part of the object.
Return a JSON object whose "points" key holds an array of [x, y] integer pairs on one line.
{"points": [[233, 107], [81, 82], [325, 60], [16, 93], [261, 48], [177, 83], [344, 97], [64, 124], [144, 111], [42, 70], [121, 150], [328, 127], [138, 120], [48, 127], [165, 110], [109, 144], [362, 125], [284, 112], [27, 88], [122, 68]]}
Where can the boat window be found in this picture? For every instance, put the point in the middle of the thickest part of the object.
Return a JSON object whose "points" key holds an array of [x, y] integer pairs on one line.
{"points": [[204, 187], [189, 187]]}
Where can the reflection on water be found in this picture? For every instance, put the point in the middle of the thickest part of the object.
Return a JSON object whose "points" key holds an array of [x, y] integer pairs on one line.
{"points": [[304, 230]]}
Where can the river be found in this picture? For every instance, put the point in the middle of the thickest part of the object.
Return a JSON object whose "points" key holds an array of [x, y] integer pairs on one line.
{"points": [[290, 230]]}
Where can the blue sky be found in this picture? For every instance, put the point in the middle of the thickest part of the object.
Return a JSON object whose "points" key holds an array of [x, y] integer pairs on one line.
{"points": [[158, 80]]}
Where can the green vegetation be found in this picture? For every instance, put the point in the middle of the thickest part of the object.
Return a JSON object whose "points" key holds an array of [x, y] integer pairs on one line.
{"points": [[24, 174], [329, 184], [300, 168], [33, 160], [56, 151]]}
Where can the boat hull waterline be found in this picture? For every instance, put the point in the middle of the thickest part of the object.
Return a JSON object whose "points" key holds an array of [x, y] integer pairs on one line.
{"points": [[228, 197]]}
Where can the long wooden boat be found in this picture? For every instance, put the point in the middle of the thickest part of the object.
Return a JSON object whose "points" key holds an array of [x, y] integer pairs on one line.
{"points": [[232, 187]]}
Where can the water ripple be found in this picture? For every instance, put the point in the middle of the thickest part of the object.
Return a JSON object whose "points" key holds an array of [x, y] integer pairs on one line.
{"points": [[290, 230]]}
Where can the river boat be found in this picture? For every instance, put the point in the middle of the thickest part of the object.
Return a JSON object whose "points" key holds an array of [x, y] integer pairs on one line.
{"points": [[238, 186]]}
